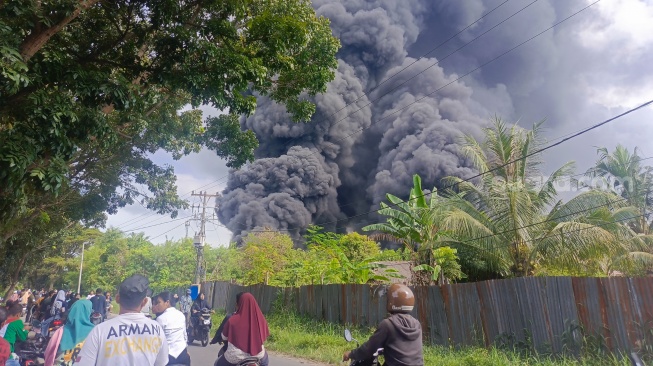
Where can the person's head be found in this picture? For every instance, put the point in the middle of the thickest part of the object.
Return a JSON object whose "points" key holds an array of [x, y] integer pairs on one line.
{"points": [[9, 304], [175, 296], [200, 296], [161, 302], [16, 309], [132, 292], [400, 299], [188, 292], [107, 294], [78, 296], [98, 291], [238, 295]]}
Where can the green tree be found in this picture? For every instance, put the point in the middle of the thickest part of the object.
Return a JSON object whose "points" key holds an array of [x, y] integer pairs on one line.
{"points": [[622, 173], [265, 254], [82, 109], [508, 216]]}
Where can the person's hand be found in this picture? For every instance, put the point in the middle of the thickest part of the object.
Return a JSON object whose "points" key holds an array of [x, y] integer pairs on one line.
{"points": [[28, 327], [345, 357]]}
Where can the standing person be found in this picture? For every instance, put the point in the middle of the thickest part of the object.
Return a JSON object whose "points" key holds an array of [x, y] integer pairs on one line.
{"points": [[5, 347], [174, 300], [173, 323], [107, 295], [66, 343], [130, 338], [400, 335], [99, 303], [185, 304], [16, 331], [245, 332]]}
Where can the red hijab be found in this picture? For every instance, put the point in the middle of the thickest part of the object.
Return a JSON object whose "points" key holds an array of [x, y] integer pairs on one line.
{"points": [[247, 329]]}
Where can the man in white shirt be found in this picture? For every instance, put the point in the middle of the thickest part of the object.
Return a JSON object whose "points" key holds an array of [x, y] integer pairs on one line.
{"points": [[130, 338], [173, 323]]}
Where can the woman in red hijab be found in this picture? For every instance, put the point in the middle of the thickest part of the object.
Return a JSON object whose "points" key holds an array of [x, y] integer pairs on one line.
{"points": [[245, 332]]}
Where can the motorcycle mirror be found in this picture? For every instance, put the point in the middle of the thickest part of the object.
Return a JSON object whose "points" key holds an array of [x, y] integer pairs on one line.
{"points": [[348, 336]]}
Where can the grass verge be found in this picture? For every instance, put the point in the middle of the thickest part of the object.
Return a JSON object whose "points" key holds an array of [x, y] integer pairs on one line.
{"points": [[302, 337]]}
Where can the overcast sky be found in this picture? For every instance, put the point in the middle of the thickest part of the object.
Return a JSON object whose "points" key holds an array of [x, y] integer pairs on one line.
{"points": [[590, 68]]}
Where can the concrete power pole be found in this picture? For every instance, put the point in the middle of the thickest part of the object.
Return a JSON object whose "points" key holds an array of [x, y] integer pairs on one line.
{"points": [[200, 237]]}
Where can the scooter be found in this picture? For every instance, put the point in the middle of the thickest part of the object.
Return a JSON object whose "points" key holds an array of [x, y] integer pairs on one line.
{"points": [[372, 361], [201, 330]]}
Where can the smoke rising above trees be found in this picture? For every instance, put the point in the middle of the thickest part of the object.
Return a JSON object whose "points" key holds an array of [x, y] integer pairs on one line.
{"points": [[348, 157]]}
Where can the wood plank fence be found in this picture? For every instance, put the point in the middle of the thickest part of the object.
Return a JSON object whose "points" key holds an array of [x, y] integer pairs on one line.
{"points": [[548, 314]]}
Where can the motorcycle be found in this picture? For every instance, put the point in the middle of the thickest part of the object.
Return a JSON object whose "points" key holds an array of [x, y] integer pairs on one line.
{"points": [[201, 329], [372, 361], [250, 361], [32, 351], [96, 318]]}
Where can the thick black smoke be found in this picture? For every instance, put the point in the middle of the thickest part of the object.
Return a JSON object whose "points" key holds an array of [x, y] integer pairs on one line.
{"points": [[355, 150]]}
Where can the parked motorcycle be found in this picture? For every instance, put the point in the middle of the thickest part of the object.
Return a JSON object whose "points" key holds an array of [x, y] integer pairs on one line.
{"points": [[250, 361], [372, 361], [201, 329]]}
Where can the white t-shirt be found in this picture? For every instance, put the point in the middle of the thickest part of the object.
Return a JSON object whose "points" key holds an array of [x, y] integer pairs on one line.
{"points": [[128, 339], [174, 327]]}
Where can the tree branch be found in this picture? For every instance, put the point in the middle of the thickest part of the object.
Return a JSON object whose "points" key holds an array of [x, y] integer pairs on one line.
{"points": [[35, 41]]}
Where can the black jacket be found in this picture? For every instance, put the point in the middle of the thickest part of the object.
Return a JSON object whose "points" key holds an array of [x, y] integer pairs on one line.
{"points": [[400, 336], [99, 304]]}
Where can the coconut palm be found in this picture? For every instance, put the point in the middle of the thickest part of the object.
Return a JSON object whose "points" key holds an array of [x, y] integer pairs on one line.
{"points": [[507, 212], [622, 173]]}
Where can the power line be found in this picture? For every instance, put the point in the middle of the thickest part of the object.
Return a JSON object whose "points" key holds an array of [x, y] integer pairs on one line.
{"points": [[165, 232], [444, 86], [415, 61]]}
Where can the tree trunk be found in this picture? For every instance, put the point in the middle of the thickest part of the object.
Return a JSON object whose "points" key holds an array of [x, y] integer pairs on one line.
{"points": [[13, 280]]}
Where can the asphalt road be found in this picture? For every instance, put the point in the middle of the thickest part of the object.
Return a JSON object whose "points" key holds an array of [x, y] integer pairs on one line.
{"points": [[205, 356]]}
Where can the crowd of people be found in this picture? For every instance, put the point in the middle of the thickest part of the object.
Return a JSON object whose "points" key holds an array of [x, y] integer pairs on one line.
{"points": [[132, 337]]}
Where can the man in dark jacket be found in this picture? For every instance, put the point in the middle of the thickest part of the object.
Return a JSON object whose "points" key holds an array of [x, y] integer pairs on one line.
{"points": [[99, 303], [400, 335]]}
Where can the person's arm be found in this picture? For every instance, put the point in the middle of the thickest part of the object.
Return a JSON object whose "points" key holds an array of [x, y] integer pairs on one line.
{"points": [[18, 328], [218, 333], [89, 353], [376, 341]]}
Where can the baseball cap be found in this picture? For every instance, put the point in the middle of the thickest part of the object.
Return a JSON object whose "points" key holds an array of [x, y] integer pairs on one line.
{"points": [[134, 287]]}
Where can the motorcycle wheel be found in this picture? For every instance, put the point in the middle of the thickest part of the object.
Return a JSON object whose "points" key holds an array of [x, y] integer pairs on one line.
{"points": [[205, 339]]}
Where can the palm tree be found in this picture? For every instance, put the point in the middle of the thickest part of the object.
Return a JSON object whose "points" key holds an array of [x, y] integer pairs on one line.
{"points": [[622, 173], [508, 215]]}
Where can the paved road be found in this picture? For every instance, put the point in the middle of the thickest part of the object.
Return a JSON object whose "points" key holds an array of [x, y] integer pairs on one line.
{"points": [[205, 356]]}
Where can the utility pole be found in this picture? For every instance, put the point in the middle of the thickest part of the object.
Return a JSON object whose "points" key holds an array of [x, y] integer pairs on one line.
{"points": [[81, 265], [200, 237]]}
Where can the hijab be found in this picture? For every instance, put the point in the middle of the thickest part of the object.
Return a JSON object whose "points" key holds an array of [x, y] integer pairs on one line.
{"points": [[247, 329], [61, 296], [201, 304], [77, 326]]}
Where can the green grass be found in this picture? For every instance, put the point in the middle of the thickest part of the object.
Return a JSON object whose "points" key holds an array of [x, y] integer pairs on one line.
{"points": [[301, 337]]}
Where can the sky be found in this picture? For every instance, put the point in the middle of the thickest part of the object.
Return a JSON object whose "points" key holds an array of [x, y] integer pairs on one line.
{"points": [[593, 66]]}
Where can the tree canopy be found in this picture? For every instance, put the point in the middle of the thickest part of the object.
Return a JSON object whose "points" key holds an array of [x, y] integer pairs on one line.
{"points": [[89, 89]]}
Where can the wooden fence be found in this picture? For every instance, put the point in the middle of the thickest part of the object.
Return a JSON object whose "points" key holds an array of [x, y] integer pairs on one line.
{"points": [[549, 314]]}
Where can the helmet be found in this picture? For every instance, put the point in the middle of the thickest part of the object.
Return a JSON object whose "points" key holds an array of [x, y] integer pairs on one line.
{"points": [[400, 299]]}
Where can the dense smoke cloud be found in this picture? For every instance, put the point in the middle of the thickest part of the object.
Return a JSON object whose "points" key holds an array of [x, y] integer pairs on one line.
{"points": [[326, 170]]}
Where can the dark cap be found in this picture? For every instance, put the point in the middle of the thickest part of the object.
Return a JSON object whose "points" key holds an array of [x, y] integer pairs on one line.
{"points": [[134, 287]]}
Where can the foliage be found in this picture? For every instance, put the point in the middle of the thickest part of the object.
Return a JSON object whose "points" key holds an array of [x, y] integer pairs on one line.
{"points": [[81, 112], [446, 264]]}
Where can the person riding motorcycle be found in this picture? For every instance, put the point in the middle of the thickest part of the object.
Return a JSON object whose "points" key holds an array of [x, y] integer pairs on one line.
{"points": [[196, 309], [400, 335]]}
